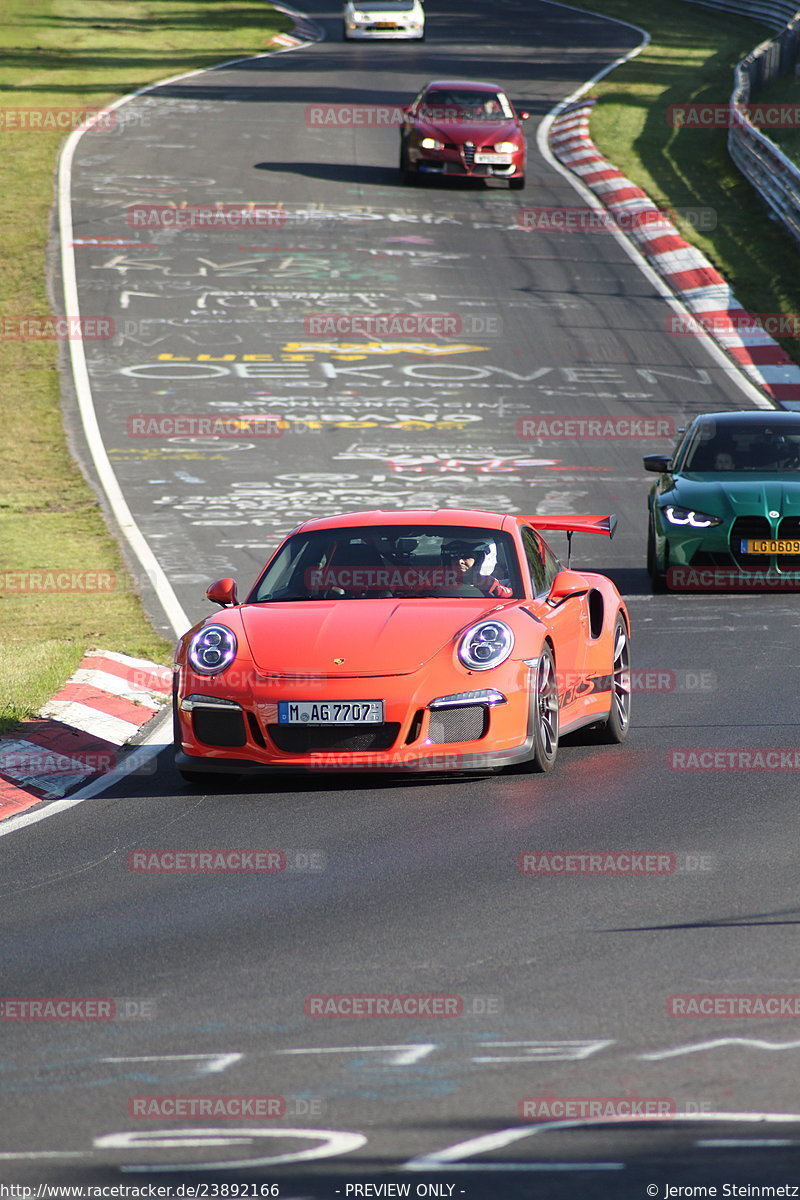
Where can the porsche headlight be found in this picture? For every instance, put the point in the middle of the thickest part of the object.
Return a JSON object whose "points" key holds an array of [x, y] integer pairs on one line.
{"points": [[431, 144], [689, 516], [212, 649], [486, 645], [506, 147]]}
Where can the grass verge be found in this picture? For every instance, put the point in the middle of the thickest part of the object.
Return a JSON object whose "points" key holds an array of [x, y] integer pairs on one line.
{"points": [[62, 55], [690, 60]]}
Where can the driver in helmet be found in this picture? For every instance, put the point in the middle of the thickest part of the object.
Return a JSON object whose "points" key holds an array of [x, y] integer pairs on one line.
{"points": [[474, 564]]}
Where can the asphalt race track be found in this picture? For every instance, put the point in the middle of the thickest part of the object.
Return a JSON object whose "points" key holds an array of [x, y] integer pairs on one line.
{"points": [[406, 886]]}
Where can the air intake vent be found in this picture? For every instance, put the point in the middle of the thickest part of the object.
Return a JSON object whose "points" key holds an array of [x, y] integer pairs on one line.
{"points": [[458, 724]]}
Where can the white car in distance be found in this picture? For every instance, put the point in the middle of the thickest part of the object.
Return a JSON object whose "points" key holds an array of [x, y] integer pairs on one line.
{"points": [[383, 19]]}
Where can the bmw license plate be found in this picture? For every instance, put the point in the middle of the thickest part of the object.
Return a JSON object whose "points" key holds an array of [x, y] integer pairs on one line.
{"points": [[330, 712], [500, 160], [770, 546]]}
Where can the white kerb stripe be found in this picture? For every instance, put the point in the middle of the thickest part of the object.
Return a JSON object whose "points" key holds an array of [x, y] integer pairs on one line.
{"points": [[105, 682], [91, 720]]}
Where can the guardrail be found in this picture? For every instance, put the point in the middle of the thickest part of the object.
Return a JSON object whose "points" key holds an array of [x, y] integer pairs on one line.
{"points": [[775, 13], [774, 176]]}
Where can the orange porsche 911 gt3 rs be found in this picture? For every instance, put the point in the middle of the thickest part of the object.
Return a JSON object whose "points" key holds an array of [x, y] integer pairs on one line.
{"points": [[424, 640]]}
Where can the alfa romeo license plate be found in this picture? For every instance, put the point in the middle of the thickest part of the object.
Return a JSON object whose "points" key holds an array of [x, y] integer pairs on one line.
{"points": [[330, 712], [501, 160], [770, 546]]}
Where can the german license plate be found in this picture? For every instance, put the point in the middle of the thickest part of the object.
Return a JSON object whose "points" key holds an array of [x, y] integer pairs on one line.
{"points": [[500, 160], [330, 712], [770, 546]]}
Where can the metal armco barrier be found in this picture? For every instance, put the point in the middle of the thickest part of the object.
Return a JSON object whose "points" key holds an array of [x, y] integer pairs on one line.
{"points": [[774, 176]]}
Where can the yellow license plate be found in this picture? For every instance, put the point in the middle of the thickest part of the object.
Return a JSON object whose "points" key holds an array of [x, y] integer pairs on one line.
{"points": [[771, 546]]}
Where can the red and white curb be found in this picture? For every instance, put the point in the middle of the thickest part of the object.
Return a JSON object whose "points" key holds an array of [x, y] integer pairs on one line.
{"points": [[79, 733], [693, 279]]}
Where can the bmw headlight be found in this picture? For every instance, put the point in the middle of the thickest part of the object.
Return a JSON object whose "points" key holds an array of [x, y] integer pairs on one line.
{"points": [[431, 144], [506, 147], [486, 645], [212, 649], [689, 516]]}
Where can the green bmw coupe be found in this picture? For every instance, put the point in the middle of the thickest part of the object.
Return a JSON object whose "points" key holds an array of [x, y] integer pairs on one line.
{"points": [[725, 511]]}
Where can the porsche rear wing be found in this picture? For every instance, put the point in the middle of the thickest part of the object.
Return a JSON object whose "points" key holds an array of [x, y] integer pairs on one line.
{"points": [[575, 523]]}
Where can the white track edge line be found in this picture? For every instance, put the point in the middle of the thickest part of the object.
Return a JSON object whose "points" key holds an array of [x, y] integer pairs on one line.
{"points": [[148, 749], [165, 594]]}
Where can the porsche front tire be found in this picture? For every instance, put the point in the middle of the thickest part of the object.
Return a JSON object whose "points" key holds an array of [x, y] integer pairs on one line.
{"points": [[615, 729], [545, 715]]}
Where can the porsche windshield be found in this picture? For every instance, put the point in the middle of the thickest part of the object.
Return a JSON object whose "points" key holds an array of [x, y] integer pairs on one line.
{"points": [[746, 446], [392, 561], [452, 105]]}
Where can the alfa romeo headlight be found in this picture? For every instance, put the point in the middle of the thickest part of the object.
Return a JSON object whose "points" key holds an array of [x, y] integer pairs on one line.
{"points": [[689, 516], [431, 144], [506, 147], [212, 649], [486, 645]]}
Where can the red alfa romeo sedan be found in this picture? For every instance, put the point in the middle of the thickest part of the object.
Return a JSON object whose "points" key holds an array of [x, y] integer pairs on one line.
{"points": [[463, 129]]}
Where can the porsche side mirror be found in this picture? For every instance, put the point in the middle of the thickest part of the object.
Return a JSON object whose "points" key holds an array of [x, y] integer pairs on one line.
{"points": [[657, 462], [566, 583], [223, 592]]}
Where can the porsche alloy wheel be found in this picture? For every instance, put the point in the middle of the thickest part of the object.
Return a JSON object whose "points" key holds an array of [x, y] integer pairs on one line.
{"points": [[616, 728], [545, 733]]}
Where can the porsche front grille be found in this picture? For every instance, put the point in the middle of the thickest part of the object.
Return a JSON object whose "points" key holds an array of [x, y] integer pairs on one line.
{"points": [[311, 739]]}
